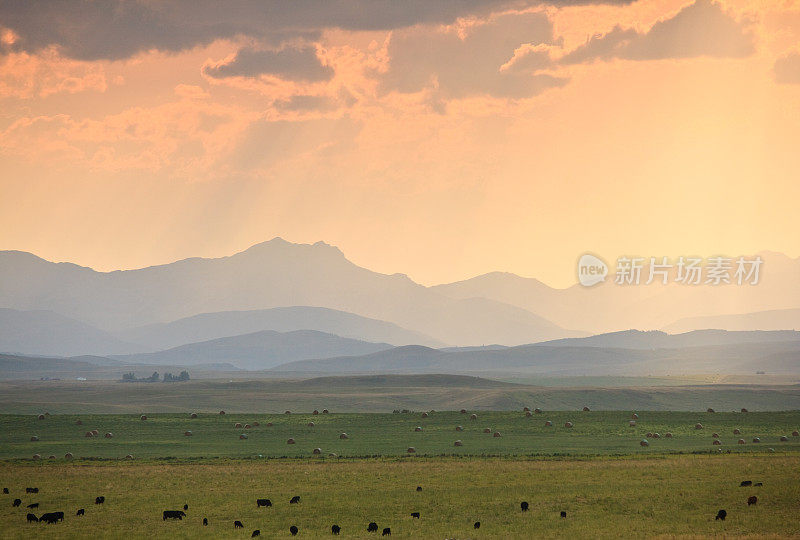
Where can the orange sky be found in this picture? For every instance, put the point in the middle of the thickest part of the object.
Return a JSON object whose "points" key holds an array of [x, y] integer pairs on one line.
{"points": [[499, 139]]}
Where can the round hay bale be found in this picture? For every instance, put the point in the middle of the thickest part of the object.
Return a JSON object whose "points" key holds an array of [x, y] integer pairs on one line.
{"points": [[644, 442], [411, 450], [496, 434], [487, 430], [310, 424], [315, 411], [287, 412], [95, 433], [586, 409], [108, 435], [256, 424], [709, 410], [459, 428], [35, 438], [756, 440], [744, 410], [795, 433], [716, 442], [221, 413], [68, 455], [89, 434], [193, 415], [187, 433], [737, 431], [634, 416], [473, 416], [715, 435], [649, 435], [568, 424], [237, 425], [325, 411], [40, 417], [784, 438], [129, 456], [424, 415], [269, 424], [537, 410], [668, 435], [418, 428], [632, 423], [526, 409], [343, 436], [528, 414], [143, 417], [548, 423], [79, 422], [247, 426], [242, 436], [51, 456], [316, 451], [740, 441], [698, 426], [458, 443], [656, 435], [463, 411], [37, 456]]}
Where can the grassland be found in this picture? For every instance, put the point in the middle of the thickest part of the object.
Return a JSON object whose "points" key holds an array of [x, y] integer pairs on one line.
{"points": [[378, 434], [603, 497]]}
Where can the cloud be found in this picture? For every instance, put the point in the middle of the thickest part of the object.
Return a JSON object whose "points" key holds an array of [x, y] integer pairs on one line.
{"points": [[119, 29], [787, 68], [700, 29], [459, 66], [291, 63]]}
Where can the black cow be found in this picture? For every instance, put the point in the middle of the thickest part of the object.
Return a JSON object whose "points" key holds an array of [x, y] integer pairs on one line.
{"points": [[80, 512], [372, 527], [759, 484], [293, 530], [387, 532], [185, 506], [52, 517], [263, 502], [721, 515], [5, 491], [335, 529], [419, 488], [17, 502], [99, 500], [31, 490], [256, 532], [32, 518], [415, 515], [33, 505], [746, 483], [751, 500], [205, 522], [563, 514], [173, 514], [238, 525], [477, 525], [524, 506], [295, 499]]}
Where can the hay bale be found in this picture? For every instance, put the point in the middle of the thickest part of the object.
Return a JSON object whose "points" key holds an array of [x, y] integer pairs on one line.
{"points": [[143, 417], [632, 423], [89, 434], [644, 442], [193, 415], [40, 417], [315, 411], [698, 426], [473, 416], [411, 450], [656, 435], [740, 441], [795, 433], [187, 433], [424, 415], [221, 413], [710, 410], [496, 434], [51, 456], [242, 436], [487, 430], [737, 431], [35, 438], [343, 436], [568, 424], [418, 428], [287, 412], [129, 456], [310, 424], [79, 422], [68, 455], [586, 409], [537, 410], [668, 435], [715, 435], [528, 414], [247, 426], [37, 456], [716, 442], [634, 416], [744, 410], [458, 443], [463, 411], [237, 425], [324, 411], [459, 428], [108, 435], [316, 451], [756, 440], [548, 423], [784, 438]]}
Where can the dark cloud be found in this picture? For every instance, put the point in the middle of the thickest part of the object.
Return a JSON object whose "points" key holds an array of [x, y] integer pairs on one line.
{"points": [[295, 63], [787, 69], [118, 29], [701, 29]]}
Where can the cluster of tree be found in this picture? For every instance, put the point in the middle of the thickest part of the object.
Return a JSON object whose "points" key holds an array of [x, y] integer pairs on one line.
{"points": [[168, 377]]}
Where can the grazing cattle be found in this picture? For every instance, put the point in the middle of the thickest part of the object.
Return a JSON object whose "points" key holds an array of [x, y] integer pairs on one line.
{"points": [[263, 502], [419, 488], [52, 517], [473, 416], [99, 500], [33, 505], [563, 514], [31, 490], [387, 531], [759, 484], [548, 423], [343, 436], [238, 525], [418, 428], [335, 529], [568, 424], [295, 499], [698, 426], [415, 515], [5, 491], [721, 515], [372, 527], [463, 411], [325, 411], [32, 518], [586, 409], [143, 417], [205, 522], [411, 450], [744, 410], [524, 506], [80, 512], [17, 502], [173, 514], [293, 529], [751, 500], [477, 525], [746, 483], [255, 533]]}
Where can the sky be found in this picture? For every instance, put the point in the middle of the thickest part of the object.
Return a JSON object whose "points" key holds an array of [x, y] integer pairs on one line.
{"points": [[439, 139]]}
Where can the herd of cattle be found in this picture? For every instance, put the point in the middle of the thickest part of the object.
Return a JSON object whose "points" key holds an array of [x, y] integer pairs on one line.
{"points": [[55, 517]]}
